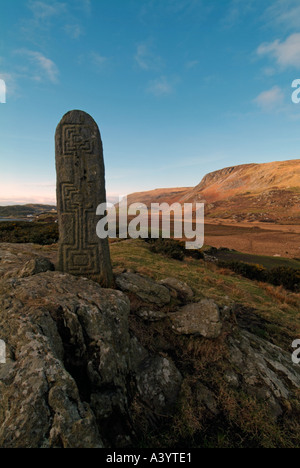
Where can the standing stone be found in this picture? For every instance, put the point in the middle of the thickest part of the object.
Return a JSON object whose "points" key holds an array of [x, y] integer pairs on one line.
{"points": [[80, 189]]}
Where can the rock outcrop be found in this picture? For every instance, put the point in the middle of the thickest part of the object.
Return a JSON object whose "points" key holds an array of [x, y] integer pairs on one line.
{"points": [[178, 289], [72, 365], [35, 266], [90, 367], [202, 318], [145, 289]]}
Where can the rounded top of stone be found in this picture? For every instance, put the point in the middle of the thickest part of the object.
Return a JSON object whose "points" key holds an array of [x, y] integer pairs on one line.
{"points": [[77, 117]]}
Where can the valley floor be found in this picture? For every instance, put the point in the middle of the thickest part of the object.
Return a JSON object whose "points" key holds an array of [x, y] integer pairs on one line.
{"points": [[255, 238]]}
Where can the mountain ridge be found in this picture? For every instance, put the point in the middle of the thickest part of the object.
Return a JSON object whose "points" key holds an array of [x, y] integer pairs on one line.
{"points": [[254, 177], [247, 192]]}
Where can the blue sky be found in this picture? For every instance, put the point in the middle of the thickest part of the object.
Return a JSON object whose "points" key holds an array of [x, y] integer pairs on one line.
{"points": [[178, 88]]}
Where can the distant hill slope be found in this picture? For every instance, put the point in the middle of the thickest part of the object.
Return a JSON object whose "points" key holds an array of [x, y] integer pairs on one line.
{"points": [[267, 192], [253, 178], [170, 195], [21, 211]]}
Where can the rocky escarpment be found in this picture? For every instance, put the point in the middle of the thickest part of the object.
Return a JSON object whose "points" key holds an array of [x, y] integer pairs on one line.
{"points": [[246, 178], [266, 192], [93, 367]]}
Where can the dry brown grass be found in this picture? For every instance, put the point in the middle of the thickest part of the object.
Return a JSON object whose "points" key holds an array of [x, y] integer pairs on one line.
{"points": [[281, 295], [254, 420], [188, 419]]}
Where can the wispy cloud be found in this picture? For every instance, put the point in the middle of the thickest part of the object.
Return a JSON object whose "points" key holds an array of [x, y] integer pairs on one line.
{"points": [[146, 59], [74, 31], [42, 66], [269, 71], [284, 14], [84, 5], [45, 10], [97, 59], [270, 100], [43, 16], [161, 87], [192, 64], [286, 53], [179, 8], [53, 13], [237, 10], [232, 16], [182, 6]]}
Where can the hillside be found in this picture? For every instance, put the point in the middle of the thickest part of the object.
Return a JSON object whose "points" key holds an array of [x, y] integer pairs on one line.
{"points": [[169, 195], [251, 192], [21, 211], [248, 178]]}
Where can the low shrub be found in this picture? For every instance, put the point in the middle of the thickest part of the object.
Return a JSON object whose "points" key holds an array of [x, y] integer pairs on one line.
{"points": [[286, 277], [253, 272], [289, 278], [25, 232], [173, 249]]}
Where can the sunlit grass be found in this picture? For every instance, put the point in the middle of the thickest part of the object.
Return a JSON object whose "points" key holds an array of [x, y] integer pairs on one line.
{"points": [[208, 281]]}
